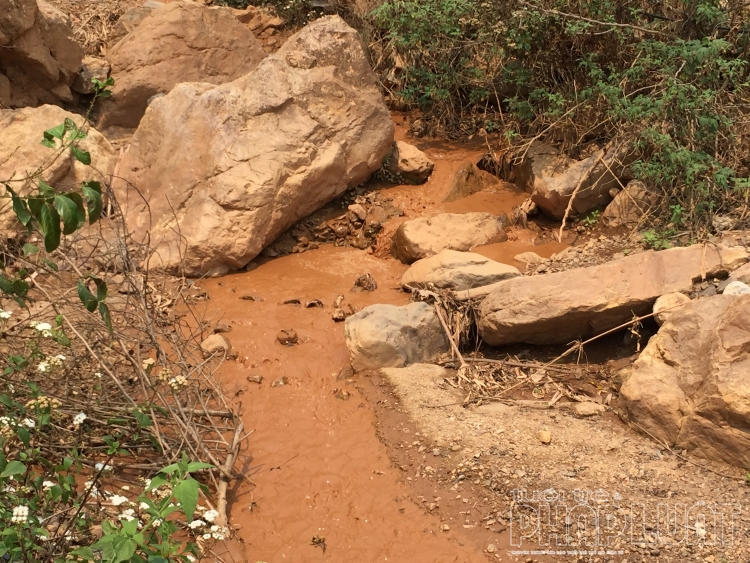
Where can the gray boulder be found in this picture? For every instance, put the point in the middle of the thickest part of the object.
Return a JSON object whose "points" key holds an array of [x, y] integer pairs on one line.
{"points": [[389, 336]]}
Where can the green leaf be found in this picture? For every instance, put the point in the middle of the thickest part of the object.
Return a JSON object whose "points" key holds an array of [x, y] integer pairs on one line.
{"points": [[156, 482], [35, 206], [186, 493], [106, 317], [29, 249], [45, 189], [55, 132], [81, 155], [101, 288], [50, 225], [14, 468], [87, 298], [19, 207], [24, 436], [50, 264], [124, 549], [198, 465], [68, 211], [143, 419], [48, 143], [92, 191], [69, 125]]}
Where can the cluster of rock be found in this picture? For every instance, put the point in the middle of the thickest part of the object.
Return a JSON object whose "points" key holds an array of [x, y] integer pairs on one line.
{"points": [[39, 59], [687, 389]]}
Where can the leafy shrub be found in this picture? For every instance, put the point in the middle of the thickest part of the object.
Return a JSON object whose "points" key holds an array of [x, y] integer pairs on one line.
{"points": [[668, 81], [67, 421]]}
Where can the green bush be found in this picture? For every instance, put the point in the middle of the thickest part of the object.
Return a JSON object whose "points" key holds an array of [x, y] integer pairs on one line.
{"points": [[669, 81]]}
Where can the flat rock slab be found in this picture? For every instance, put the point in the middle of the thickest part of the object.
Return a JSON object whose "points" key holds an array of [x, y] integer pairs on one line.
{"points": [[389, 336], [560, 307], [451, 269], [426, 236], [690, 387]]}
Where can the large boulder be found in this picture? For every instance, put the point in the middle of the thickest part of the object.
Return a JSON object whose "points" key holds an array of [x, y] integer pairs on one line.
{"points": [[20, 142], [389, 336], [450, 269], [690, 387], [631, 204], [39, 57], [426, 236], [221, 171], [409, 163], [176, 42], [560, 307]]}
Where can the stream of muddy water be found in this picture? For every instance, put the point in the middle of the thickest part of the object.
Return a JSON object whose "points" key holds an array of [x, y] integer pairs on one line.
{"points": [[315, 463]]}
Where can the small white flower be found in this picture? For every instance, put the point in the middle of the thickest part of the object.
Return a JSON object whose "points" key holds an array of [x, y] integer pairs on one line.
{"points": [[125, 487], [158, 522], [195, 524], [117, 500], [4, 421], [210, 515], [5, 315], [44, 328], [206, 536], [144, 506], [148, 363], [20, 514], [102, 467], [190, 558], [47, 485], [28, 423], [128, 514], [79, 418], [43, 366], [98, 374]]}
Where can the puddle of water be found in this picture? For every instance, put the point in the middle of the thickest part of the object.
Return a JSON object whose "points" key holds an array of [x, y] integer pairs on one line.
{"points": [[317, 464], [496, 202]]}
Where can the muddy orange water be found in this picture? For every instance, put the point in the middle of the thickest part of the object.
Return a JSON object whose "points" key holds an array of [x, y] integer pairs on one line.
{"points": [[316, 464]]}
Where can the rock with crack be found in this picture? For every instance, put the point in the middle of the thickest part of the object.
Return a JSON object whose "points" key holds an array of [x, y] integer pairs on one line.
{"points": [[22, 131], [39, 58], [560, 307], [426, 236], [390, 336], [631, 204], [689, 388], [410, 163], [224, 170], [176, 42], [451, 269]]}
